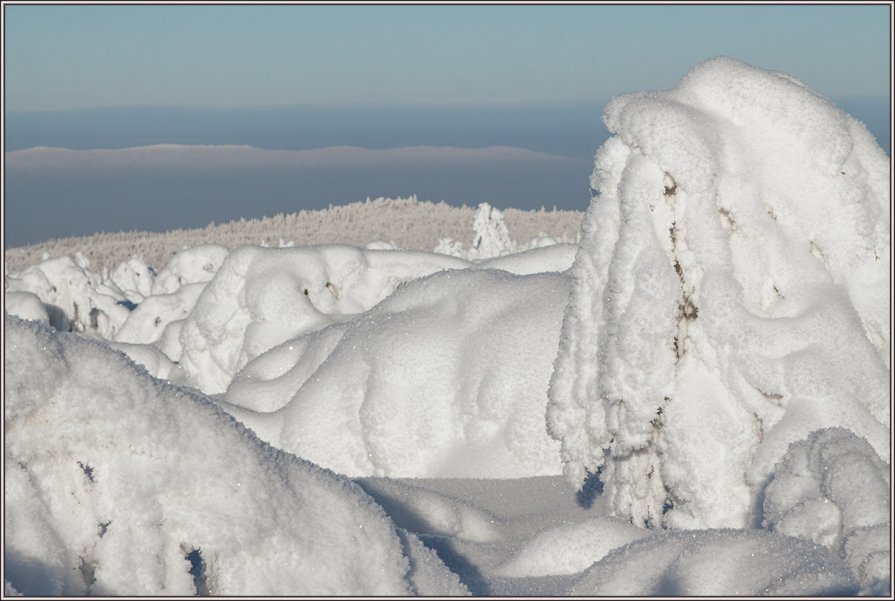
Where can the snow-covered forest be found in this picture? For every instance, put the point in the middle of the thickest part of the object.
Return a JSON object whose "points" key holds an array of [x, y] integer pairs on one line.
{"points": [[684, 391], [404, 223]]}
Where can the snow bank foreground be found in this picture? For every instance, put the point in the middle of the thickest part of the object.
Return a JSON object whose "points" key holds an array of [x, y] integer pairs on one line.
{"points": [[753, 216], [116, 481]]}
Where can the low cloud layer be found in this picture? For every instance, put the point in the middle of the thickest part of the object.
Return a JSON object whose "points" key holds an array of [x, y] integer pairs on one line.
{"points": [[241, 156]]}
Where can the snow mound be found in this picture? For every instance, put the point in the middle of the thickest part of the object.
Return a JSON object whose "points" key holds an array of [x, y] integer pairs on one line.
{"points": [[446, 377], [134, 278], [120, 484], [74, 297], [428, 575], [189, 266], [26, 305], [832, 489], [553, 257], [148, 321], [718, 563], [428, 512], [262, 297], [570, 548], [729, 296]]}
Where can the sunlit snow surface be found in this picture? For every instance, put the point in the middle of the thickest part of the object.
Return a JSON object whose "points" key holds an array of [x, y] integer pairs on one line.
{"points": [[709, 367]]}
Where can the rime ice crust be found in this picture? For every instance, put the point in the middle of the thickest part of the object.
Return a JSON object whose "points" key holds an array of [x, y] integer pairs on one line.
{"points": [[729, 296]]}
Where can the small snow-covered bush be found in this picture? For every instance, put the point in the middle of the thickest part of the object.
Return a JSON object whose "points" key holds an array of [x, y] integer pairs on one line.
{"points": [[491, 236]]}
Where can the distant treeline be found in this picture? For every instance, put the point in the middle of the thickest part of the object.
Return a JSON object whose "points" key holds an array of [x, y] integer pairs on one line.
{"points": [[406, 223]]}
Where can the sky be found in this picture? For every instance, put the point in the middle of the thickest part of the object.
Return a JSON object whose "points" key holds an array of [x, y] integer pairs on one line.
{"points": [[301, 77], [63, 57]]}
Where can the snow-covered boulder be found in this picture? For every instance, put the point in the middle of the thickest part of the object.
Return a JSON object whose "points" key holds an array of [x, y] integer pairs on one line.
{"points": [[730, 295], [120, 484]]}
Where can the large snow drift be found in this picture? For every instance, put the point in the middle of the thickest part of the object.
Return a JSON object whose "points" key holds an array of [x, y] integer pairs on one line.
{"points": [[446, 377], [116, 484], [729, 296]]}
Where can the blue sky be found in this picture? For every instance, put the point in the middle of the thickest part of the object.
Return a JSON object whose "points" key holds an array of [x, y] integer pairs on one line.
{"points": [[62, 57]]}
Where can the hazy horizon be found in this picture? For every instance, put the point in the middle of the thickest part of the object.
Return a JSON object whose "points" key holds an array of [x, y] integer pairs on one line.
{"points": [[48, 199], [573, 129], [304, 77]]}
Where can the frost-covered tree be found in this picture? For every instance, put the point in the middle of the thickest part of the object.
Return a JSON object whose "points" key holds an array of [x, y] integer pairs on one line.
{"points": [[491, 236], [729, 297]]}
